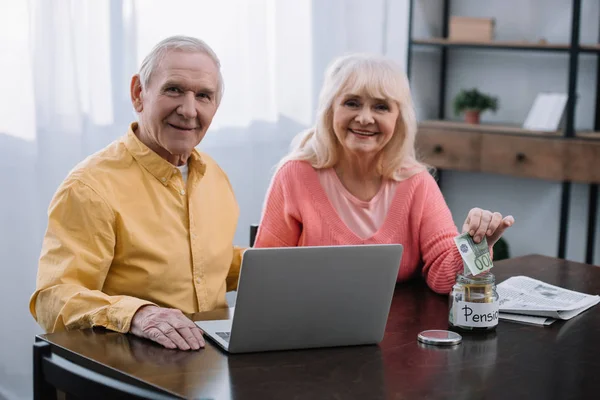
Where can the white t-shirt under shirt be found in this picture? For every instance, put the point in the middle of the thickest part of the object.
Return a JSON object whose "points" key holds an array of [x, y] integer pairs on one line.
{"points": [[184, 172], [364, 218]]}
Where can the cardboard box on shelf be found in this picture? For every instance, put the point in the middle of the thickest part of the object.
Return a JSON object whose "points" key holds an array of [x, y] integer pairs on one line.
{"points": [[471, 29]]}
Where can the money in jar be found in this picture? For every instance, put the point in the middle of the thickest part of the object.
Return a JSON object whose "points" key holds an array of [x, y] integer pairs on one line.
{"points": [[474, 303]]}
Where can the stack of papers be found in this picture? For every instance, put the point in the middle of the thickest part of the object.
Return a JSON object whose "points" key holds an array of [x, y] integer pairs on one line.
{"points": [[547, 112], [527, 300]]}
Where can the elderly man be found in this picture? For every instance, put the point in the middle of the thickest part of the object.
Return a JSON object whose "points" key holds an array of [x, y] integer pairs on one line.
{"points": [[141, 232]]}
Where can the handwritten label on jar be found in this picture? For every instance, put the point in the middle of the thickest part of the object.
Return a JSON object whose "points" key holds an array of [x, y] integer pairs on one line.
{"points": [[476, 315]]}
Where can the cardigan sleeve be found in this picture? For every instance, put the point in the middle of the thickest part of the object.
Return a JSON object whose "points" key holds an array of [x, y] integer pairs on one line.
{"points": [[280, 225], [441, 259]]}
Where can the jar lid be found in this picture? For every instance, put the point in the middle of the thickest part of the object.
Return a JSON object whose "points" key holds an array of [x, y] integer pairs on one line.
{"points": [[439, 337]]}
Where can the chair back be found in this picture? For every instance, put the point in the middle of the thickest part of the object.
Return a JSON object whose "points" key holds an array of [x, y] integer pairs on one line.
{"points": [[253, 231]]}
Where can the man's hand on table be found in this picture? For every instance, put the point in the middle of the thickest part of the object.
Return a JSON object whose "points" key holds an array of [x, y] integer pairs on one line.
{"points": [[166, 326]]}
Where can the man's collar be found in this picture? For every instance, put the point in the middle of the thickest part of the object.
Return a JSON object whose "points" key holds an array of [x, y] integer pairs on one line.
{"points": [[155, 164]]}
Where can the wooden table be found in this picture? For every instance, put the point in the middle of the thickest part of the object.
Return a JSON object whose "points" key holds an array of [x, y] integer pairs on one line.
{"points": [[517, 361]]}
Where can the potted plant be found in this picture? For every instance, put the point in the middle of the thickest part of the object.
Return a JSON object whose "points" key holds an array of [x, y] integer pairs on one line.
{"points": [[473, 103]]}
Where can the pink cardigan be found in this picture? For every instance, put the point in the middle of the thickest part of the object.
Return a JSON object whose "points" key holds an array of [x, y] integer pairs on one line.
{"points": [[297, 212]]}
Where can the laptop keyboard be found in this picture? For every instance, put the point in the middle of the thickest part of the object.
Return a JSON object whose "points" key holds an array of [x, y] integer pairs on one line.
{"points": [[224, 335]]}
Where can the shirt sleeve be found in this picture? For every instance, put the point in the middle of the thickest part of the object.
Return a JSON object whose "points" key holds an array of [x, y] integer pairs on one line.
{"points": [[280, 225], [441, 259], [77, 252], [234, 270]]}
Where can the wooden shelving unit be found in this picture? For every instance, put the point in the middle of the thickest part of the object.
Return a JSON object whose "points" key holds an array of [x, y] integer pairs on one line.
{"points": [[509, 150], [566, 156]]}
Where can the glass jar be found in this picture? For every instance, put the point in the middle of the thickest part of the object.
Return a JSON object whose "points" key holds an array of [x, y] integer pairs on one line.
{"points": [[474, 303]]}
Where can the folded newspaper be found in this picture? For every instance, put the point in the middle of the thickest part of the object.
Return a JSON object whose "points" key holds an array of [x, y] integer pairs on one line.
{"points": [[527, 300]]}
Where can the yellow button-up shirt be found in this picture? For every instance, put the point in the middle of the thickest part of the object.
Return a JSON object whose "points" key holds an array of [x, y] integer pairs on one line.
{"points": [[125, 231]]}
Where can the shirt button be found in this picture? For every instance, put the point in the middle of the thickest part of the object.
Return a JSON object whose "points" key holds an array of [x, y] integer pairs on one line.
{"points": [[163, 179], [198, 281], [182, 192]]}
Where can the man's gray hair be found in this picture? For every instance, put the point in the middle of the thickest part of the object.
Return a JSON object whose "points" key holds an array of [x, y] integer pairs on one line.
{"points": [[180, 43]]}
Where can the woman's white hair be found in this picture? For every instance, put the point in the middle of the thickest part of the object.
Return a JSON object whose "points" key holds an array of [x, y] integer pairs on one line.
{"points": [[378, 77], [179, 43]]}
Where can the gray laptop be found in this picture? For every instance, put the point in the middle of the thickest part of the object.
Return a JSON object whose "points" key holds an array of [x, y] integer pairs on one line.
{"points": [[306, 297]]}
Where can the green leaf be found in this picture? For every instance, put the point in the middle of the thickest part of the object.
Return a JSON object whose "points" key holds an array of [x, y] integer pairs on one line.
{"points": [[474, 100]]}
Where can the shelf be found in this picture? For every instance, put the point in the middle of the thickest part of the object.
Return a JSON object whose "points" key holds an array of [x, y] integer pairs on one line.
{"points": [[486, 128], [500, 45], [588, 135], [496, 128], [505, 45], [590, 48]]}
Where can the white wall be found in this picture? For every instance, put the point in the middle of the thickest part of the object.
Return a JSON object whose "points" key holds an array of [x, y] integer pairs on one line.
{"points": [[516, 78]]}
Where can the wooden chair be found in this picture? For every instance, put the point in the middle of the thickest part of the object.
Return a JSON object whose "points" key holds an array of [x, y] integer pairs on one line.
{"points": [[253, 231]]}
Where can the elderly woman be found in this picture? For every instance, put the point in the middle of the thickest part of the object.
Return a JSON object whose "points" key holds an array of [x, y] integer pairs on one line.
{"points": [[354, 179]]}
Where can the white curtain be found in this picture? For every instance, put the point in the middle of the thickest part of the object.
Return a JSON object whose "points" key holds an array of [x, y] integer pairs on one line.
{"points": [[65, 67]]}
